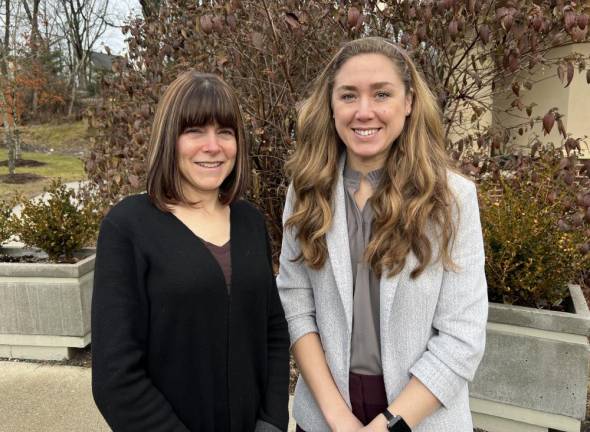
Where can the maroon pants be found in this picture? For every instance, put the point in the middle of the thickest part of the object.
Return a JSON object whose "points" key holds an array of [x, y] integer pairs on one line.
{"points": [[367, 397]]}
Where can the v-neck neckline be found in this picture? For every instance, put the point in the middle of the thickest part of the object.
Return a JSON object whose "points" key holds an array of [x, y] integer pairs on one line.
{"points": [[201, 242], [201, 239]]}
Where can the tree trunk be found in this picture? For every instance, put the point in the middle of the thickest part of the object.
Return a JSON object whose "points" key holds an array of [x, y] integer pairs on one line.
{"points": [[8, 133]]}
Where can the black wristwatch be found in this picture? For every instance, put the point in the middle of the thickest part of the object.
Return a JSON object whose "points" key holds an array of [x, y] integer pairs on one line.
{"points": [[395, 423]]}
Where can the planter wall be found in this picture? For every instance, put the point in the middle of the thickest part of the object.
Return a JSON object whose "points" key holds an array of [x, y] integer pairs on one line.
{"points": [[44, 308], [534, 373]]}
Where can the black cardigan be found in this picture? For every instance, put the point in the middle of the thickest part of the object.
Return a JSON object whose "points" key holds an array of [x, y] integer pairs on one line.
{"points": [[171, 349]]}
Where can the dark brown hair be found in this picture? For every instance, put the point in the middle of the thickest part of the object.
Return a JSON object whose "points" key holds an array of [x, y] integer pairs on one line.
{"points": [[193, 99]]}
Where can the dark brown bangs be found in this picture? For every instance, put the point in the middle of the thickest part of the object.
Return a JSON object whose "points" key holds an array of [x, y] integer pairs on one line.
{"points": [[207, 103]]}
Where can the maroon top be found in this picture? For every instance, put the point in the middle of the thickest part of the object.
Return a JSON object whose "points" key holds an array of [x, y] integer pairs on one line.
{"points": [[223, 257]]}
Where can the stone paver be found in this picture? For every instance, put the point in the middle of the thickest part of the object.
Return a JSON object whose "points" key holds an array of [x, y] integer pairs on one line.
{"points": [[44, 398], [37, 397]]}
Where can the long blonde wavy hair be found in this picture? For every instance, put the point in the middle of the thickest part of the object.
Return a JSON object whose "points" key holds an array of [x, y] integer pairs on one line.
{"points": [[413, 195]]}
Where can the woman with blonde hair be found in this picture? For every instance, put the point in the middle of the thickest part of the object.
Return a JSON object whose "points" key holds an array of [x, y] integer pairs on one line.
{"points": [[188, 332], [382, 266]]}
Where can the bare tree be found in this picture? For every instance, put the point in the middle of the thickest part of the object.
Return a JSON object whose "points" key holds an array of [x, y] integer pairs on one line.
{"points": [[83, 23], [32, 13], [8, 119]]}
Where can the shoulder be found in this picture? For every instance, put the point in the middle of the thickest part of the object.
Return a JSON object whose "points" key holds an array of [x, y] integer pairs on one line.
{"points": [[247, 209], [249, 217], [462, 188], [131, 211]]}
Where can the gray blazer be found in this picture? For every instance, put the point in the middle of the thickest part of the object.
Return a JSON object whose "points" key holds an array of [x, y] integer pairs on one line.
{"points": [[432, 327]]}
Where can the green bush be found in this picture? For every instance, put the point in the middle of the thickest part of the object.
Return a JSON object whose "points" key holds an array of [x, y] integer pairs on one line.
{"points": [[62, 224], [5, 228], [533, 249]]}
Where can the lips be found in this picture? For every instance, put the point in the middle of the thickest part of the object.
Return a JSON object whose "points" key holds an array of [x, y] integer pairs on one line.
{"points": [[209, 164], [366, 132]]}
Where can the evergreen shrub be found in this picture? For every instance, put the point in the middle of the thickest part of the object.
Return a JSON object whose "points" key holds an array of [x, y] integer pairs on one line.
{"points": [[61, 224]]}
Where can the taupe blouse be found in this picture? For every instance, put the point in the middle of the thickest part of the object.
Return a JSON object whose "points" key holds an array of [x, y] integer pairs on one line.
{"points": [[365, 355]]}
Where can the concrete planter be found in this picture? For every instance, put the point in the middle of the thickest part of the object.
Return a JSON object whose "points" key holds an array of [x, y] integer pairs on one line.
{"points": [[534, 373], [44, 308]]}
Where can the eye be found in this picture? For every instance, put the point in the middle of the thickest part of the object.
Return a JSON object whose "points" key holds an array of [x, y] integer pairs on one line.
{"points": [[227, 131], [382, 94], [347, 97]]}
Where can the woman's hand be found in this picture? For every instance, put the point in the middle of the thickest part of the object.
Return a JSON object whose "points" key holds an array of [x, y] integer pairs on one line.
{"points": [[346, 422], [378, 424]]}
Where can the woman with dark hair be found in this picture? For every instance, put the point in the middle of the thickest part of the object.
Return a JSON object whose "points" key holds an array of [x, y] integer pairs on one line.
{"points": [[188, 332], [382, 266]]}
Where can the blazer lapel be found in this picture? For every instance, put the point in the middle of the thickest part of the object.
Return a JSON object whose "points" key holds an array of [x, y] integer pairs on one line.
{"points": [[339, 249], [387, 288]]}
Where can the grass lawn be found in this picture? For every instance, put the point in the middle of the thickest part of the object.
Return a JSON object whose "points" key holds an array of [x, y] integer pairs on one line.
{"points": [[67, 138], [68, 168]]}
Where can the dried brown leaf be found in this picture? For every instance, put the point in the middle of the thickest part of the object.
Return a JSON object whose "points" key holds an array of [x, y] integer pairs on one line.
{"points": [[484, 33], [292, 20], [548, 121], [206, 24], [353, 16]]}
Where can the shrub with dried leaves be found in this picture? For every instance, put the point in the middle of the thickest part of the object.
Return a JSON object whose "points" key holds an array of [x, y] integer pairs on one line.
{"points": [[470, 52], [536, 233]]}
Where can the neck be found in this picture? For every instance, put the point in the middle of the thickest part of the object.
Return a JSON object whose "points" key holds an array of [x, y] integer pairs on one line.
{"points": [[207, 201], [365, 166]]}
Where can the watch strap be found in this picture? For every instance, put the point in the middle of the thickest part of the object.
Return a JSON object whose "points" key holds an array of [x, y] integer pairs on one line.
{"points": [[395, 423]]}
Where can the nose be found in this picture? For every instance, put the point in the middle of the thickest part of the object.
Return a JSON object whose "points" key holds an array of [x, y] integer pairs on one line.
{"points": [[212, 144], [365, 109]]}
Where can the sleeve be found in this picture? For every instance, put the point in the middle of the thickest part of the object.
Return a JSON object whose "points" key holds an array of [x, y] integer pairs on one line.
{"points": [[454, 352], [262, 426], [122, 390], [274, 413], [293, 282]]}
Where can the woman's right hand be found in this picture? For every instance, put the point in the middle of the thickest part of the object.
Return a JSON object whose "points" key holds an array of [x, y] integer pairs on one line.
{"points": [[346, 422]]}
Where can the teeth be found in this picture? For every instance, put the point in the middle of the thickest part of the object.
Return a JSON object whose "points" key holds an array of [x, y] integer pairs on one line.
{"points": [[366, 132], [209, 164]]}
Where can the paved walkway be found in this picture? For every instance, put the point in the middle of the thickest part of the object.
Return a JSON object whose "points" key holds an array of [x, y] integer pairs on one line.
{"points": [[37, 397]]}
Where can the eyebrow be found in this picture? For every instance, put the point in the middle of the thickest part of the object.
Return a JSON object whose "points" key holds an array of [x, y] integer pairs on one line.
{"points": [[372, 86]]}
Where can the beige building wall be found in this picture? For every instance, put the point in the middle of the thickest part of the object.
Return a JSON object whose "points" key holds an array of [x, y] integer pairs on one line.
{"points": [[548, 92], [462, 124]]}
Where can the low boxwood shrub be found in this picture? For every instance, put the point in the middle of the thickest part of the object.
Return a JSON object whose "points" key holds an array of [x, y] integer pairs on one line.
{"points": [[5, 227], [61, 224], [535, 241]]}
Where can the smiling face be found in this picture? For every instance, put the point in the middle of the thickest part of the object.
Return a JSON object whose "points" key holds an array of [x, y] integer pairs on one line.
{"points": [[370, 106], [206, 156]]}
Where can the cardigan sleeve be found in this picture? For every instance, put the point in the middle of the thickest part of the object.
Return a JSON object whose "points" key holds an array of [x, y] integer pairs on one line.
{"points": [[293, 282], [122, 390], [455, 350], [274, 414]]}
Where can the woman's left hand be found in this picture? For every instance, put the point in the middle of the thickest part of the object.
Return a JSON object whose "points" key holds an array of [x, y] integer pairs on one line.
{"points": [[378, 424]]}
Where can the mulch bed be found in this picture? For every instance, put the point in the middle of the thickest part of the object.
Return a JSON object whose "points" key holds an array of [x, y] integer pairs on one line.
{"points": [[24, 163], [80, 357], [22, 259], [20, 178], [34, 259]]}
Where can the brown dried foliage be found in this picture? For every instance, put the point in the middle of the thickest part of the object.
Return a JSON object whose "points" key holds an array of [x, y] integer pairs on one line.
{"points": [[271, 50]]}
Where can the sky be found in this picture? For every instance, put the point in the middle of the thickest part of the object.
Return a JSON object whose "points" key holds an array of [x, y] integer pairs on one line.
{"points": [[120, 11]]}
